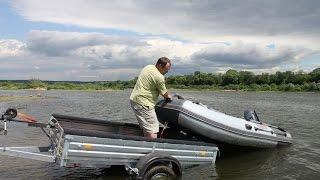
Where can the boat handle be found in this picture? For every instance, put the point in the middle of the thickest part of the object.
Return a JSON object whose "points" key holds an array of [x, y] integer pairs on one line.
{"points": [[259, 129]]}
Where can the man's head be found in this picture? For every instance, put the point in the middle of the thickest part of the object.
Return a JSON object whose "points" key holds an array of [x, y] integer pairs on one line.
{"points": [[163, 65]]}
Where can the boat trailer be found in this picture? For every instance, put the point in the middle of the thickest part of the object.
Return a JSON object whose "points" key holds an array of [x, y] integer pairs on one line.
{"points": [[85, 142]]}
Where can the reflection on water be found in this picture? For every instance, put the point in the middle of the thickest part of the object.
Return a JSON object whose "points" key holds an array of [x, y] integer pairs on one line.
{"points": [[297, 112]]}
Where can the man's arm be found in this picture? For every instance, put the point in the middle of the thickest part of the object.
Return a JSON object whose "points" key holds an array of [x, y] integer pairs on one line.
{"points": [[161, 86]]}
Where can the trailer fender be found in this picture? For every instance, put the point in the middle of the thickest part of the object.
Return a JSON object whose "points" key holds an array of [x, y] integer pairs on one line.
{"points": [[157, 161]]}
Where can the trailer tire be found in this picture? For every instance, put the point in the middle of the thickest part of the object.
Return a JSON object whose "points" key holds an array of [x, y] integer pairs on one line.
{"points": [[159, 171]]}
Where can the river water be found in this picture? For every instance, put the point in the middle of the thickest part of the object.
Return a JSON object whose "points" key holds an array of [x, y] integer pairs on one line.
{"points": [[299, 113]]}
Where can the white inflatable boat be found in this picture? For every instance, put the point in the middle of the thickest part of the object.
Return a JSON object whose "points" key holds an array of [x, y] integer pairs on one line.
{"points": [[197, 119]]}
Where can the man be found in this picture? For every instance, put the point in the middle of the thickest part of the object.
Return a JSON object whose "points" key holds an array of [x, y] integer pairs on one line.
{"points": [[145, 94]]}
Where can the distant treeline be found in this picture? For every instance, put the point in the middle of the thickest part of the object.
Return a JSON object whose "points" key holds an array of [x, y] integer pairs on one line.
{"points": [[246, 80], [65, 85], [231, 80]]}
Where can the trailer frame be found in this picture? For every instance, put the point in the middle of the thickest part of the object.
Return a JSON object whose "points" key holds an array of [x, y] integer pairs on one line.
{"points": [[84, 142]]}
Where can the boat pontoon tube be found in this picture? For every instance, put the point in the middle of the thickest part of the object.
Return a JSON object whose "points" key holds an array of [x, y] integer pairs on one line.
{"points": [[197, 119]]}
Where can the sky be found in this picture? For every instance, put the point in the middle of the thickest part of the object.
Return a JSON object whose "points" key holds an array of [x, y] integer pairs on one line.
{"points": [[97, 40]]}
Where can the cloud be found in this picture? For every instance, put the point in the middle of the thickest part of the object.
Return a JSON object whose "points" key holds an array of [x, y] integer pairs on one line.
{"points": [[99, 51], [249, 56], [211, 36], [54, 55], [11, 47], [286, 22], [55, 43]]}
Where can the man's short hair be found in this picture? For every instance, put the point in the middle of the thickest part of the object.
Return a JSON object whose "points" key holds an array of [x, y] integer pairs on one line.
{"points": [[163, 61]]}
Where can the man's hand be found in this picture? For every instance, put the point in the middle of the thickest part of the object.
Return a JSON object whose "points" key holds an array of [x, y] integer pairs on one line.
{"points": [[26, 118], [167, 96]]}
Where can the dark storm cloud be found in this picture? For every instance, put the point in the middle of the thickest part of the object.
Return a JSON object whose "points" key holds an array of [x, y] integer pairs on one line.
{"points": [[55, 43], [184, 19], [248, 56]]}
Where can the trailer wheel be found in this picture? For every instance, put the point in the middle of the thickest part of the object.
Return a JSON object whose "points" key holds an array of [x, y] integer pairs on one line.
{"points": [[159, 172], [156, 164]]}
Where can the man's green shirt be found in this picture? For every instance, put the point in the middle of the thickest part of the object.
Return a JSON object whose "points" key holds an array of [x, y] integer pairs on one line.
{"points": [[149, 85]]}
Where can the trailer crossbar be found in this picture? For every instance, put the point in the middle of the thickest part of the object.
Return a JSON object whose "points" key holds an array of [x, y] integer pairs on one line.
{"points": [[29, 152]]}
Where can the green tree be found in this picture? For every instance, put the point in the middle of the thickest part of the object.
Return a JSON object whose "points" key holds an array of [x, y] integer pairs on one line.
{"points": [[301, 78], [246, 77], [315, 75], [278, 78], [264, 78], [289, 77], [230, 77]]}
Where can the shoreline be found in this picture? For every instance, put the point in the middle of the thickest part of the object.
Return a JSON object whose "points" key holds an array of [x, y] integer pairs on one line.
{"points": [[42, 90], [171, 89], [222, 90]]}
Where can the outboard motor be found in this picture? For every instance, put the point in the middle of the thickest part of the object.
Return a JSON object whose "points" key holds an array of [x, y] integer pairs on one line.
{"points": [[251, 115]]}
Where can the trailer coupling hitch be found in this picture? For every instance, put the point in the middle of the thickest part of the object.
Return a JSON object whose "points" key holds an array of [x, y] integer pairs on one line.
{"points": [[9, 114]]}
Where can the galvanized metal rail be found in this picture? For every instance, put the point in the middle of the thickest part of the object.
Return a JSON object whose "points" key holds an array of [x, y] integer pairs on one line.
{"points": [[86, 142]]}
